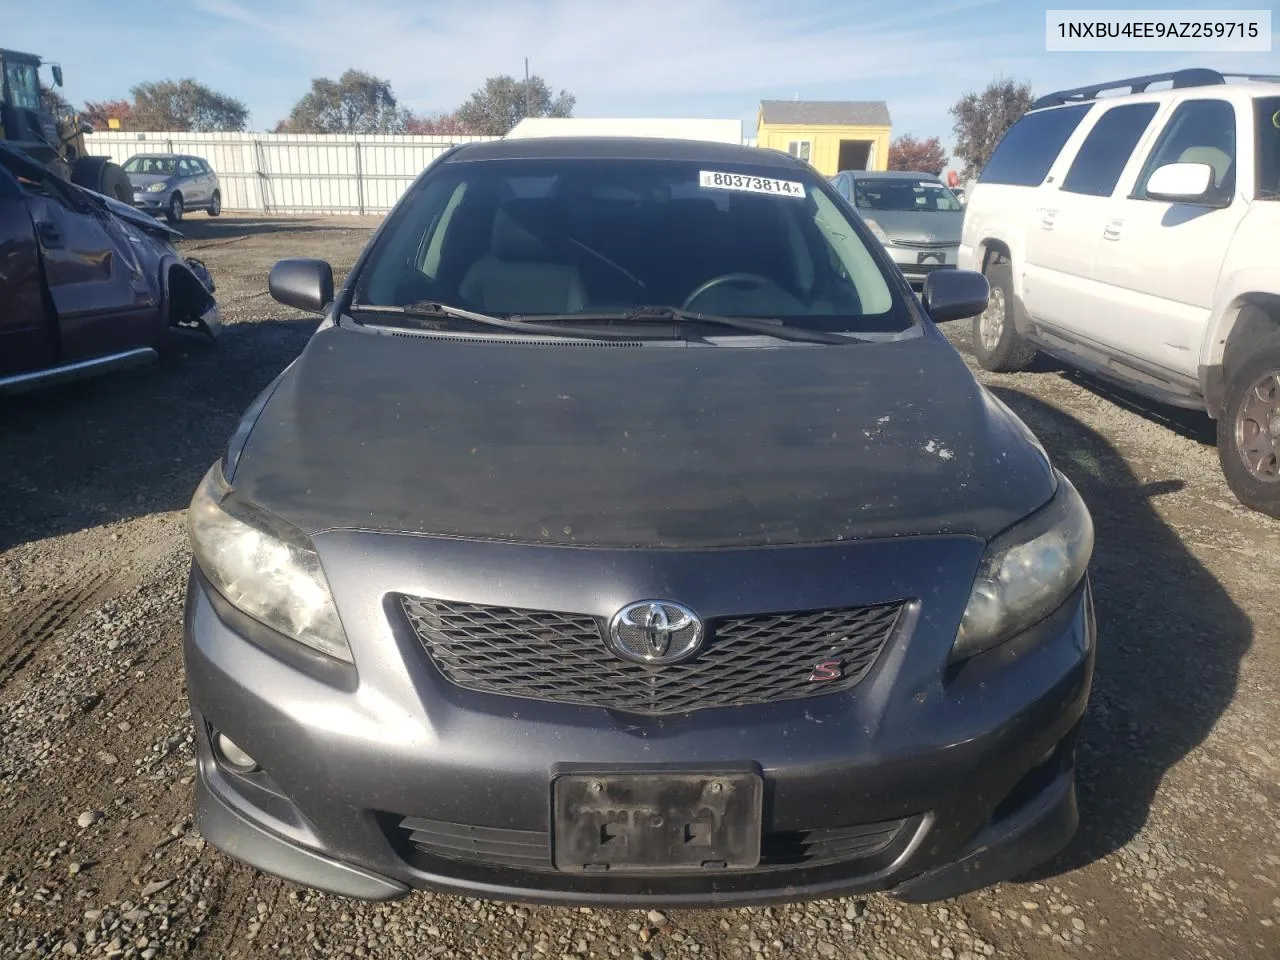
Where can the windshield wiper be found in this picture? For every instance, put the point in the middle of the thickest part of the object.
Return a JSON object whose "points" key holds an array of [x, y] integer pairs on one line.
{"points": [[658, 314], [432, 310]]}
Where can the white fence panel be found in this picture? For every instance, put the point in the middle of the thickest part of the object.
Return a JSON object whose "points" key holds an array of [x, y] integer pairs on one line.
{"points": [[297, 173]]}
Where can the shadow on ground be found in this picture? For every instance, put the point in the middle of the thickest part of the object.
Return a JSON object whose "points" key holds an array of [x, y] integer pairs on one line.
{"points": [[1170, 639], [1192, 424], [199, 227], [124, 445]]}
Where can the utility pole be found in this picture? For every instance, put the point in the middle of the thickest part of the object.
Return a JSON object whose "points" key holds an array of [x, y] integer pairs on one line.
{"points": [[526, 86]]}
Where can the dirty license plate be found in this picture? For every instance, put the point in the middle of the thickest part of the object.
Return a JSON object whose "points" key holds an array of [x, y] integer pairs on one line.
{"points": [[657, 822]]}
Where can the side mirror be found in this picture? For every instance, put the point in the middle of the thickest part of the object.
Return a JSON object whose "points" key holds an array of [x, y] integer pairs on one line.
{"points": [[302, 282], [57, 75], [86, 126], [1180, 182], [955, 294]]}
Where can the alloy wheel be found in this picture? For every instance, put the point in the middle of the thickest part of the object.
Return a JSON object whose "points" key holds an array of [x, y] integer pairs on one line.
{"points": [[1257, 428]]}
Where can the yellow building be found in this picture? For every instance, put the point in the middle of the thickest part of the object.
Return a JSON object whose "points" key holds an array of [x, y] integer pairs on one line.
{"points": [[832, 135]]}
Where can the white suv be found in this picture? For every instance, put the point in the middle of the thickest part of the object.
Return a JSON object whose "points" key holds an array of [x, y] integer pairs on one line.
{"points": [[1137, 237]]}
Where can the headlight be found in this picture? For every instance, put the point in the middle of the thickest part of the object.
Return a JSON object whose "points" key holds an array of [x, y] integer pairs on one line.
{"points": [[1027, 572], [157, 187], [877, 230], [264, 566]]}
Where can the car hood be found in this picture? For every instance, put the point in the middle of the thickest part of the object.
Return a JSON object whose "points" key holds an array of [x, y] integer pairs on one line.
{"points": [[617, 446], [944, 225]]}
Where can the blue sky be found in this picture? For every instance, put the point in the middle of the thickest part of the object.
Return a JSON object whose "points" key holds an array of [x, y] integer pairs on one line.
{"points": [[677, 58]]}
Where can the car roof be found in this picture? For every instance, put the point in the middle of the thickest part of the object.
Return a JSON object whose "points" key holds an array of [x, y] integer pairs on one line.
{"points": [[622, 148], [1192, 83]]}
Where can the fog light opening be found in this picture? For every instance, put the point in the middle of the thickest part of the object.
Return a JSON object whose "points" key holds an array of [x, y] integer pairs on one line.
{"points": [[229, 752]]}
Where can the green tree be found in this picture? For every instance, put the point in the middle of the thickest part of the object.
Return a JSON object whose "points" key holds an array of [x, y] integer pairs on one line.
{"points": [[504, 101], [356, 103], [921, 156], [184, 105], [981, 119]]}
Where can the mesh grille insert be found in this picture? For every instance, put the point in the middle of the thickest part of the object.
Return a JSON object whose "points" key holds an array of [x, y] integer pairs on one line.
{"points": [[562, 657]]}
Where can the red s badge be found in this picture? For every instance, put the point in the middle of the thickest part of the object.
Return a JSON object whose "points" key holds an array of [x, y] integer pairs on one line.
{"points": [[825, 670]]}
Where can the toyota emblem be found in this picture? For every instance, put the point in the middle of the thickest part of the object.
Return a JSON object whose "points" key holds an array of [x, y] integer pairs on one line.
{"points": [[655, 632]]}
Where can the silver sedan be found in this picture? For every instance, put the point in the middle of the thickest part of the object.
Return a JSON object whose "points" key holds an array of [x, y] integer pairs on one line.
{"points": [[913, 214]]}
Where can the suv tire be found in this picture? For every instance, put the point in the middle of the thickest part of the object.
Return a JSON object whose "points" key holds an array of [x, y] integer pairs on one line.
{"points": [[1249, 430], [996, 342]]}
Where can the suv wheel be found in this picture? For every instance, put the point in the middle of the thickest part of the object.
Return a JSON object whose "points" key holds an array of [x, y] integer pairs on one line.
{"points": [[996, 342], [1249, 431]]}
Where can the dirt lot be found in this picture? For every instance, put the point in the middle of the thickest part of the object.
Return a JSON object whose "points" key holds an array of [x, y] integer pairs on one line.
{"points": [[1178, 855]]}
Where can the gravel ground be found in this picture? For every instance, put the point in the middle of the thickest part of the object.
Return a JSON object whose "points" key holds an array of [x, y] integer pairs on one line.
{"points": [[1177, 856]]}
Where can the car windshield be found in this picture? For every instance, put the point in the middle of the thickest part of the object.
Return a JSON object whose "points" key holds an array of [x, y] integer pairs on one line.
{"points": [[903, 195], [162, 166], [1268, 122], [599, 236]]}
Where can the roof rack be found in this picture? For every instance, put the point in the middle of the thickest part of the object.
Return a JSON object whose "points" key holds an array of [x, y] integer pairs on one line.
{"points": [[1193, 77]]}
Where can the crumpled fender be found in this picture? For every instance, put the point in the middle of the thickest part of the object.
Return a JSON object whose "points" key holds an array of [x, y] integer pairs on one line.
{"points": [[136, 217]]}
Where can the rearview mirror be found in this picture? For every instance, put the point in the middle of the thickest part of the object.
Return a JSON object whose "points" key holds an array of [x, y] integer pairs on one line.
{"points": [[302, 282], [57, 75], [1180, 181], [955, 294]]}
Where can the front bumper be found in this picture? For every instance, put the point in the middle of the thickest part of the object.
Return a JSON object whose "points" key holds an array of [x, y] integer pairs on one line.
{"points": [[971, 776], [151, 201], [909, 260]]}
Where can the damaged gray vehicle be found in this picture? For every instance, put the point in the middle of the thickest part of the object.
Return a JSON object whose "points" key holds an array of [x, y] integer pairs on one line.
{"points": [[88, 284]]}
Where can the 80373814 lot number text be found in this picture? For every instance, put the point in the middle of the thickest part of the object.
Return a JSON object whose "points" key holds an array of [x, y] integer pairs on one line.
{"points": [[749, 183]]}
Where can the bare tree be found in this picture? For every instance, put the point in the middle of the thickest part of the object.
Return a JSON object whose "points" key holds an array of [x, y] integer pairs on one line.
{"points": [[184, 105], [504, 101], [357, 102], [981, 119]]}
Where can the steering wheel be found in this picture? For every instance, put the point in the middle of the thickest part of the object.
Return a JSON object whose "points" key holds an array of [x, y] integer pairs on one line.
{"points": [[752, 278]]}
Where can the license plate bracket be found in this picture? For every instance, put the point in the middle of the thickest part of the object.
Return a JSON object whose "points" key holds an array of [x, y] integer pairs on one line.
{"points": [[657, 822]]}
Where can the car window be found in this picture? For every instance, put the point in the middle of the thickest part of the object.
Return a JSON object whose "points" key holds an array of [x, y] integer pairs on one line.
{"points": [[185, 168], [1267, 114], [903, 195], [1199, 131], [569, 236], [24, 85], [1105, 151], [1027, 150], [153, 166]]}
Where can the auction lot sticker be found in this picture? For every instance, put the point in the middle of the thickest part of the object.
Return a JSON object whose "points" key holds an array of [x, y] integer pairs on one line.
{"points": [[750, 184]]}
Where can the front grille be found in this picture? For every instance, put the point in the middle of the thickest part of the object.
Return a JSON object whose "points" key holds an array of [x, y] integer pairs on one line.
{"points": [[927, 244], [531, 849], [828, 845], [562, 657], [527, 849]]}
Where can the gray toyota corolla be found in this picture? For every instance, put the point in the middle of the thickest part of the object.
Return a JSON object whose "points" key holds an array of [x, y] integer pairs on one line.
{"points": [[627, 534]]}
